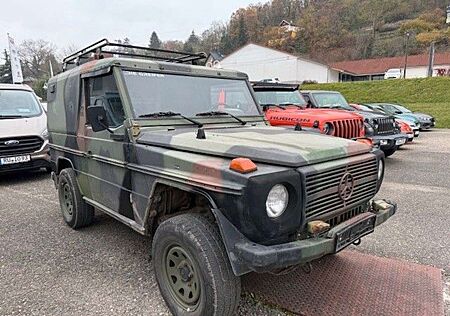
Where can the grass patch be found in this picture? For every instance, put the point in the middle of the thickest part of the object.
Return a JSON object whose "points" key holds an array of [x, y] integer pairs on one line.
{"points": [[427, 95]]}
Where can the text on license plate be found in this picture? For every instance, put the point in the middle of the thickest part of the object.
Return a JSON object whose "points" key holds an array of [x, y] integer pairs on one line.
{"points": [[12, 160]]}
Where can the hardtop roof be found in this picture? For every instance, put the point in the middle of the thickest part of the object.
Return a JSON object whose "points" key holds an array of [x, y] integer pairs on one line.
{"points": [[15, 86], [150, 65]]}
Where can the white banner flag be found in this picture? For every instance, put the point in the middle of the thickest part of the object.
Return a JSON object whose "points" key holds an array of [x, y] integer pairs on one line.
{"points": [[16, 69]]}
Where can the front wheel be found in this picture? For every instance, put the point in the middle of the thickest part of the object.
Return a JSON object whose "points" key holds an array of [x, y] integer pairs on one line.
{"points": [[192, 268]]}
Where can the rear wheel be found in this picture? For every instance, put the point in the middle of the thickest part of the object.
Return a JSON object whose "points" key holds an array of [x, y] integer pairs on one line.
{"points": [[390, 152], [192, 268], [76, 212]]}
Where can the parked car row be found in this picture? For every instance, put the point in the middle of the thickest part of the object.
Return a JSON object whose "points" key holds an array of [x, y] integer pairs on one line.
{"points": [[387, 126]]}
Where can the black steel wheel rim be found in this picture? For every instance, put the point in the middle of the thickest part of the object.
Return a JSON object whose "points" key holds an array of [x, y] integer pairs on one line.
{"points": [[181, 274], [67, 200]]}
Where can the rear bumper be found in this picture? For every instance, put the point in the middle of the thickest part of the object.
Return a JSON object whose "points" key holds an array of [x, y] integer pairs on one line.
{"points": [[246, 256], [38, 159]]}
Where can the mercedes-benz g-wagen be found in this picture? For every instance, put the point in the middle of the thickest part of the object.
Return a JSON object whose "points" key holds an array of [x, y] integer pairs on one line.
{"points": [[182, 153]]}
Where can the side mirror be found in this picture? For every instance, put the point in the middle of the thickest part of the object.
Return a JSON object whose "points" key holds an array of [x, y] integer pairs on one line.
{"points": [[398, 112], [96, 115]]}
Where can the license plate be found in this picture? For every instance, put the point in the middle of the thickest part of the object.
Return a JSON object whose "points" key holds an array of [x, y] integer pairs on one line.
{"points": [[13, 160], [400, 141], [359, 228]]}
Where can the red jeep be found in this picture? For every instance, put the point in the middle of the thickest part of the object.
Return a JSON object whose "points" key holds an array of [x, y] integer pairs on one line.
{"points": [[283, 104]]}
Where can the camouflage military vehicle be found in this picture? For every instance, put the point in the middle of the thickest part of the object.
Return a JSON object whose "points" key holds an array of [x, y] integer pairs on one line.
{"points": [[146, 138]]}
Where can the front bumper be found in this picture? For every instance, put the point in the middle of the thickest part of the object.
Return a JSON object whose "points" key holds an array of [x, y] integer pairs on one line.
{"points": [[38, 159], [387, 142], [426, 125], [246, 256]]}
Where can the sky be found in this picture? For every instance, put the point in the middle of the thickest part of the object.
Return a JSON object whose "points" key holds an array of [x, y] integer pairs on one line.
{"points": [[81, 22]]}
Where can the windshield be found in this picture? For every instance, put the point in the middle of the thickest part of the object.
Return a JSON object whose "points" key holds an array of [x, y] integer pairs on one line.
{"points": [[18, 103], [188, 95], [332, 100], [402, 108], [280, 97]]}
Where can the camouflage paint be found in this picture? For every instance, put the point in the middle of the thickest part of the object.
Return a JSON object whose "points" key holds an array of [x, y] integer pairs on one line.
{"points": [[120, 176]]}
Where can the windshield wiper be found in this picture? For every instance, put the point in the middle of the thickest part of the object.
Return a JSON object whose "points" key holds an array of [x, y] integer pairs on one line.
{"points": [[213, 113], [289, 104], [273, 104], [11, 116], [170, 114]]}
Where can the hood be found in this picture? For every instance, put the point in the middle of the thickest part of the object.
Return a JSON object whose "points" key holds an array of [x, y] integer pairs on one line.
{"points": [[22, 126], [313, 114], [418, 114], [408, 117], [273, 145], [371, 115]]}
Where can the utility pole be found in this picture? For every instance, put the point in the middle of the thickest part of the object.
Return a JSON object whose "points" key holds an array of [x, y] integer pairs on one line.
{"points": [[407, 35], [431, 60]]}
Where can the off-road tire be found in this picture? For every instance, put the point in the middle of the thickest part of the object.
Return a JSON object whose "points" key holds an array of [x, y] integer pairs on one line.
{"points": [[220, 289], [390, 152], [81, 214]]}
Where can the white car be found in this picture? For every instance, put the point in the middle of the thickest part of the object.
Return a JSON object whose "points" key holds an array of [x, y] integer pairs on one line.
{"points": [[394, 73]]}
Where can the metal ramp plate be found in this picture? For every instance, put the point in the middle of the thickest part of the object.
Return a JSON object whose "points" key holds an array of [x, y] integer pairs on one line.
{"points": [[353, 283]]}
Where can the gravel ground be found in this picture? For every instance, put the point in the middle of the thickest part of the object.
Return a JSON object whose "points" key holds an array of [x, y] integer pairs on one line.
{"points": [[48, 269]]}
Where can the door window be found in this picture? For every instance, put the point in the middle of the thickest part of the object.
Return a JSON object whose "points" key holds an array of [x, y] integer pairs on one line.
{"points": [[103, 91]]}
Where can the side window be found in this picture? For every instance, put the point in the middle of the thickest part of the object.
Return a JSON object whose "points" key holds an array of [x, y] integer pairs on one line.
{"points": [[103, 91]]}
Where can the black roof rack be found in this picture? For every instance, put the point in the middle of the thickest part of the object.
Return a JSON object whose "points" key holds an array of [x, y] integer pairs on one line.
{"points": [[261, 85], [98, 50]]}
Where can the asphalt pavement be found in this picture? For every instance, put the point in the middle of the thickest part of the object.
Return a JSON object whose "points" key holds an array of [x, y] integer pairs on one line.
{"points": [[46, 268]]}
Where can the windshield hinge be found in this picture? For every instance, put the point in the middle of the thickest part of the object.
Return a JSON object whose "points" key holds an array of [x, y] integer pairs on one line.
{"points": [[135, 129]]}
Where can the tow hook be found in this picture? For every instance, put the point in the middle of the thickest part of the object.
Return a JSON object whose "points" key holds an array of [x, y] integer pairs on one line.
{"points": [[357, 242], [307, 268]]}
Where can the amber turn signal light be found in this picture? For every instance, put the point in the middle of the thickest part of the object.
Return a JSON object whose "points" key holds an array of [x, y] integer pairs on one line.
{"points": [[242, 165]]}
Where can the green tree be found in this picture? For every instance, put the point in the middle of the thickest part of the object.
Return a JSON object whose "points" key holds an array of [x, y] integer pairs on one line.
{"points": [[192, 44], [242, 37], [5, 69], [155, 42]]}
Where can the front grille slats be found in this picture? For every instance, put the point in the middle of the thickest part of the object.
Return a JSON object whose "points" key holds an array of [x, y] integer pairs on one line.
{"points": [[385, 126], [322, 187], [346, 128], [26, 145]]}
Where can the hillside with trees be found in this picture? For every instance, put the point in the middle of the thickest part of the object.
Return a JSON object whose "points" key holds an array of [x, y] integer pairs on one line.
{"points": [[325, 30]]}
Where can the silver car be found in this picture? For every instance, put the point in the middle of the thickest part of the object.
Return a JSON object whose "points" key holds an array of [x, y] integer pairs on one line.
{"points": [[23, 130]]}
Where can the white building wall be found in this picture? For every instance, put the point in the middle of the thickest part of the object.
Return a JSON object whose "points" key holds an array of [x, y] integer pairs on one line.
{"points": [[416, 72], [259, 63]]}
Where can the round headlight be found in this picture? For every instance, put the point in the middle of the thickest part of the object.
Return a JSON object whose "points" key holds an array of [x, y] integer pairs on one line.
{"points": [[277, 200], [328, 129], [380, 169]]}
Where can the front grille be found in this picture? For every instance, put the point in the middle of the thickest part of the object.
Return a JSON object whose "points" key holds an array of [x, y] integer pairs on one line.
{"points": [[322, 187], [385, 126], [347, 128], [25, 145], [336, 220]]}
